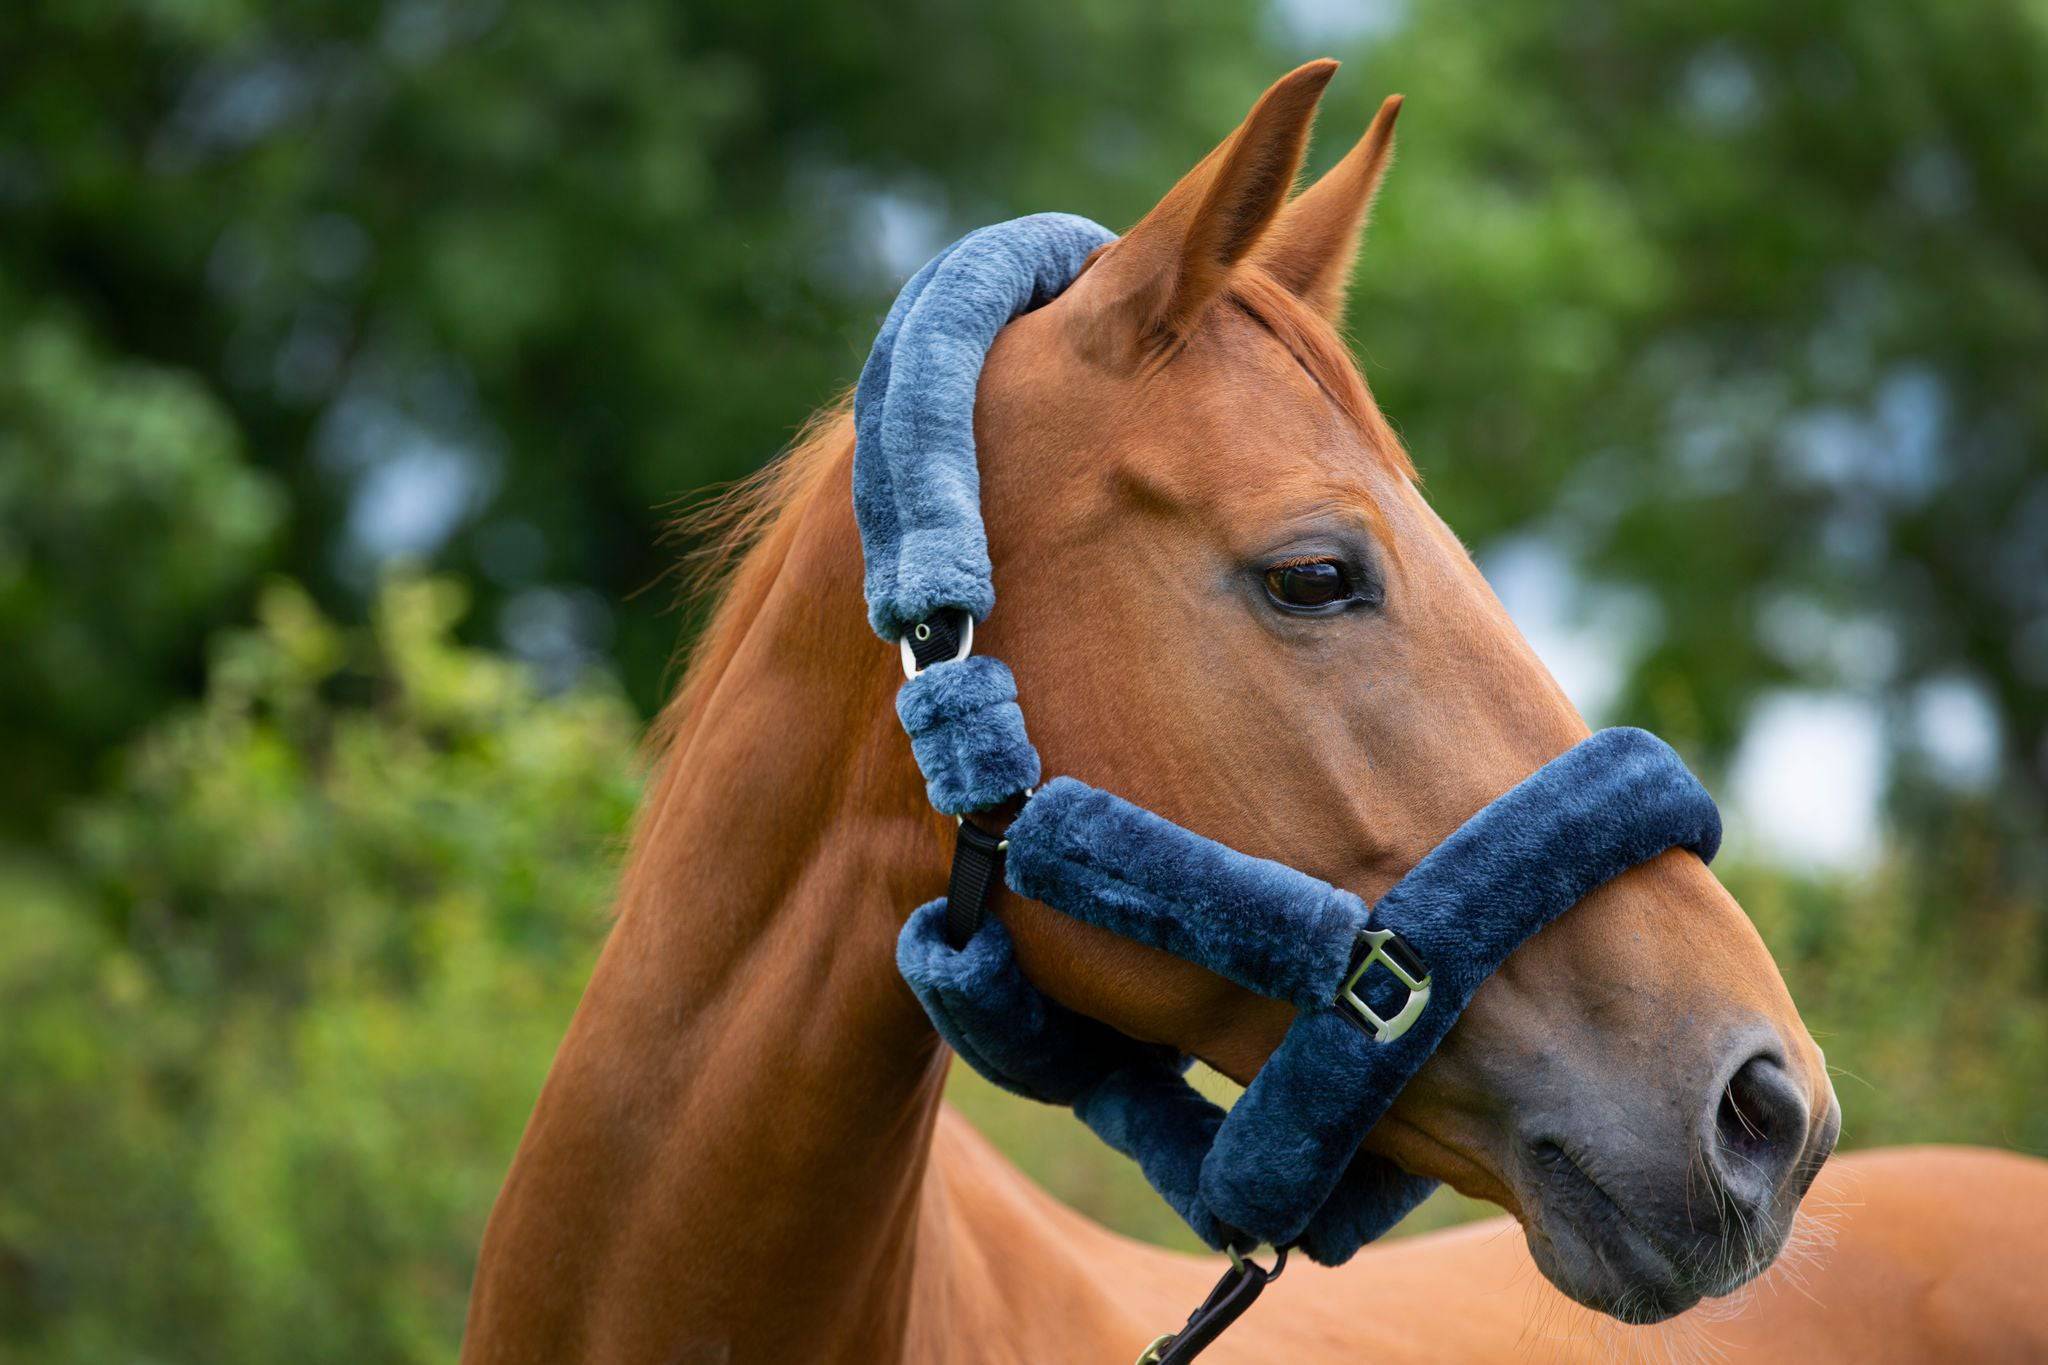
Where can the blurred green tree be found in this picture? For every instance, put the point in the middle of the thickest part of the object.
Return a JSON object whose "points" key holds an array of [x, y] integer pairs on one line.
{"points": [[1746, 307], [277, 1016], [497, 284], [129, 528], [1743, 306]]}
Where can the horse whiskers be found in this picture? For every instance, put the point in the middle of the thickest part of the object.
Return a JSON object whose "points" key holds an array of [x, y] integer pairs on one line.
{"points": [[1744, 1252], [1686, 1340], [1695, 1163], [1573, 1332], [1755, 1257], [1813, 1234]]}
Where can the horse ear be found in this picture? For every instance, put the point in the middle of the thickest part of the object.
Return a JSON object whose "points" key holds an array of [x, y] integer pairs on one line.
{"points": [[1311, 247], [1157, 279]]}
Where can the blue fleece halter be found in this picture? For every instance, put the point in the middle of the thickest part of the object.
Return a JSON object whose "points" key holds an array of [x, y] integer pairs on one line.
{"points": [[1376, 988]]}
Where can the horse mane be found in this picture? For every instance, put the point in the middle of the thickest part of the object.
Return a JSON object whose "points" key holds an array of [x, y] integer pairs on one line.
{"points": [[739, 535]]}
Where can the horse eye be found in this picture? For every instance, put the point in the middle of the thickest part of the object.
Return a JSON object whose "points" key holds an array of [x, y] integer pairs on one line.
{"points": [[1319, 583]]}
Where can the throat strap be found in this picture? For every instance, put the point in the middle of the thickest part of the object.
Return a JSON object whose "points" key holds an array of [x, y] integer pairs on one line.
{"points": [[977, 867]]}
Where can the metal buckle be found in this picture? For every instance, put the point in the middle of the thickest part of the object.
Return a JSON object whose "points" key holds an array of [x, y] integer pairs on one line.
{"points": [[1397, 955], [910, 668]]}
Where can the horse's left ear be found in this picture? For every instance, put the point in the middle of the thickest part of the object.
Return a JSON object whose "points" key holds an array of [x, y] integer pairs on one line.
{"points": [[1154, 283], [1311, 246]]}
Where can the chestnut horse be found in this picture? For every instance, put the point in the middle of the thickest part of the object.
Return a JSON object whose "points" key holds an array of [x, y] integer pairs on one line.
{"points": [[1225, 598]]}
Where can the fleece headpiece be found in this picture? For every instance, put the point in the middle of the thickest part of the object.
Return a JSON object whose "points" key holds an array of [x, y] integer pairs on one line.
{"points": [[1376, 988]]}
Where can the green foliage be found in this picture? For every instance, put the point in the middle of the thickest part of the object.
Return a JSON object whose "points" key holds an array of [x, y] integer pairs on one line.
{"points": [[581, 259], [127, 523], [1746, 306], [1930, 1007], [272, 1039]]}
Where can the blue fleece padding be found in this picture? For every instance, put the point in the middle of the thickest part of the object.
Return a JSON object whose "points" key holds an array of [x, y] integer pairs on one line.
{"points": [[1131, 1094], [984, 1007], [1262, 924], [1615, 800], [967, 733], [1372, 1195], [1284, 1166], [1152, 1115], [1290, 1136], [916, 491]]}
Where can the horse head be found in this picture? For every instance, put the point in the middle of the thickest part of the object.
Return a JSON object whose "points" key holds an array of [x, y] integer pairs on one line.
{"points": [[1224, 594]]}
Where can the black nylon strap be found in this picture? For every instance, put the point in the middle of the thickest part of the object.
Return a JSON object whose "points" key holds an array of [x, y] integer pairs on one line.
{"points": [[1239, 1288], [934, 639], [977, 867]]}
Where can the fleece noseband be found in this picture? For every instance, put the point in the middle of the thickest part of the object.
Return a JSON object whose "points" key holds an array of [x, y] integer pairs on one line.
{"points": [[1376, 988]]}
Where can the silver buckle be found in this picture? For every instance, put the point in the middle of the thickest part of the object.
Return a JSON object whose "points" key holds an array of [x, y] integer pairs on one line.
{"points": [[910, 669], [1388, 949]]}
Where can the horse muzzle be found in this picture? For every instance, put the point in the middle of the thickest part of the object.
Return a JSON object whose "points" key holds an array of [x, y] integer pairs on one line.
{"points": [[1640, 1198]]}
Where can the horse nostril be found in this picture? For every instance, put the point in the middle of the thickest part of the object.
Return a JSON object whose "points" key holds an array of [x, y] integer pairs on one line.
{"points": [[1759, 1129]]}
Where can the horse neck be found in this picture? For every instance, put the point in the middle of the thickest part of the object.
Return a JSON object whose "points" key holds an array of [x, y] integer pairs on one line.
{"points": [[728, 1156]]}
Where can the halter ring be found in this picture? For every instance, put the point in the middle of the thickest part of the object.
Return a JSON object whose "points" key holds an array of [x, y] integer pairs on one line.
{"points": [[1239, 1259], [1026, 795]]}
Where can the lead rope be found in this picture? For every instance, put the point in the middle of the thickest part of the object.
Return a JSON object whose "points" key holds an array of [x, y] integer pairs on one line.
{"points": [[1240, 1286]]}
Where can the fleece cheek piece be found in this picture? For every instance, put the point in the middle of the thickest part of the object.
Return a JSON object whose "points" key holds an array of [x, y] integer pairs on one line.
{"points": [[1283, 1165]]}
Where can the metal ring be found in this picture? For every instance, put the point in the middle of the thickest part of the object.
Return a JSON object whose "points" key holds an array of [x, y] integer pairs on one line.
{"points": [[1241, 1259], [1004, 846]]}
